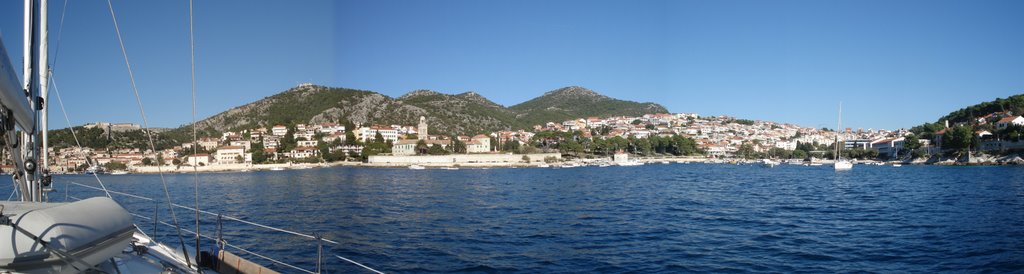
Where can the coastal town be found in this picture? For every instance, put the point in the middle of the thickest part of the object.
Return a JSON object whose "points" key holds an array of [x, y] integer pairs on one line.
{"points": [[710, 138]]}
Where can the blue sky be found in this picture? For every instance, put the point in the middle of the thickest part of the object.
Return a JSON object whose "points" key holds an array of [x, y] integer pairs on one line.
{"points": [[893, 63]]}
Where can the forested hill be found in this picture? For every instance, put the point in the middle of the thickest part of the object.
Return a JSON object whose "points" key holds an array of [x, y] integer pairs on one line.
{"points": [[465, 113], [1013, 104], [577, 102]]}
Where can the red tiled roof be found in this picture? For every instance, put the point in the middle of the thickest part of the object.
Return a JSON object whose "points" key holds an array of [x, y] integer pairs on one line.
{"points": [[1007, 119]]}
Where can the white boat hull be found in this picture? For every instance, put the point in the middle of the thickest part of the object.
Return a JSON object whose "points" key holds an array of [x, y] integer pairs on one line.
{"points": [[843, 165]]}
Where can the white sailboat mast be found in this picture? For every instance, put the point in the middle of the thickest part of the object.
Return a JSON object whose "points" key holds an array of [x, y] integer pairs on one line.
{"points": [[29, 190], [26, 51], [839, 127], [44, 84]]}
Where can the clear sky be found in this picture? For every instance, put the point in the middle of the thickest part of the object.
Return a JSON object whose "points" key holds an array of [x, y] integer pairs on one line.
{"points": [[893, 64]]}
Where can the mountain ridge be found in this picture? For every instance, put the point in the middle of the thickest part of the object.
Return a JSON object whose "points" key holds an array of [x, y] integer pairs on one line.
{"points": [[462, 113]]}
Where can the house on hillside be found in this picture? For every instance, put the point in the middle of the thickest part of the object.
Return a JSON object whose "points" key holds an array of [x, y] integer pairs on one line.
{"points": [[279, 130], [1012, 120], [304, 152]]}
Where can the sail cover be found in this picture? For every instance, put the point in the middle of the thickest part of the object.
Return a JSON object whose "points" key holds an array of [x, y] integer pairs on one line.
{"points": [[91, 231]]}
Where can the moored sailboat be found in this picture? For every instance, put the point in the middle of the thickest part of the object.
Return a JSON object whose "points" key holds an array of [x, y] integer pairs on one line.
{"points": [[840, 163]]}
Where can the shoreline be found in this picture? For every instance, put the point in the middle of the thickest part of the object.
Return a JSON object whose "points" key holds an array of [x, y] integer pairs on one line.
{"points": [[231, 168]]}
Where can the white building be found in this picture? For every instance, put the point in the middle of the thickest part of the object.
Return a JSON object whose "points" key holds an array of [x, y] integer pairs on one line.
{"points": [[1012, 120], [408, 147], [279, 130], [889, 147], [304, 152], [246, 144], [307, 143], [232, 155], [304, 135], [479, 144], [334, 136], [198, 159], [331, 128], [366, 134], [271, 141], [620, 157]]}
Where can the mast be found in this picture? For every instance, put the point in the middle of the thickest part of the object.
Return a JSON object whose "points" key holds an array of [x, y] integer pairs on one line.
{"points": [[44, 84], [28, 191], [26, 52], [839, 127]]}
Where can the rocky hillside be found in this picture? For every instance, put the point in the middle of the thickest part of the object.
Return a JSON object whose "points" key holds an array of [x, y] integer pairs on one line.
{"points": [[465, 113]]}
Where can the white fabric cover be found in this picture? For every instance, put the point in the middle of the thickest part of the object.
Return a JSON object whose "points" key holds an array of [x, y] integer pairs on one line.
{"points": [[71, 227]]}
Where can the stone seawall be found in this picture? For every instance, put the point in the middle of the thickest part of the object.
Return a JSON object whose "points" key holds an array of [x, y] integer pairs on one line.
{"points": [[462, 159]]}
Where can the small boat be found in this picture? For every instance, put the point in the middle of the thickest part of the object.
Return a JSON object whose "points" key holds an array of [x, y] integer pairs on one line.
{"points": [[896, 165], [417, 167], [277, 168], [543, 165], [452, 168], [119, 172], [665, 162], [768, 163]]}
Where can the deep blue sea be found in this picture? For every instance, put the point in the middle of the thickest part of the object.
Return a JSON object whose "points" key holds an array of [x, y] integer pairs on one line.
{"points": [[662, 218]]}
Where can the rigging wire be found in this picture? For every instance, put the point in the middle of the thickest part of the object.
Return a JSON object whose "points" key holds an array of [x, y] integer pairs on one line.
{"points": [[230, 218], [67, 120], [149, 134], [60, 101], [60, 29], [195, 135]]}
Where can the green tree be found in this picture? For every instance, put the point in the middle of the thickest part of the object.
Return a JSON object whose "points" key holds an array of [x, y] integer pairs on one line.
{"points": [[288, 142], [258, 155], [378, 138], [911, 142], [436, 150], [511, 146], [958, 138], [374, 149], [350, 138], [570, 146], [745, 151], [147, 161], [600, 146], [115, 166], [458, 146], [799, 154], [421, 147], [644, 146]]}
